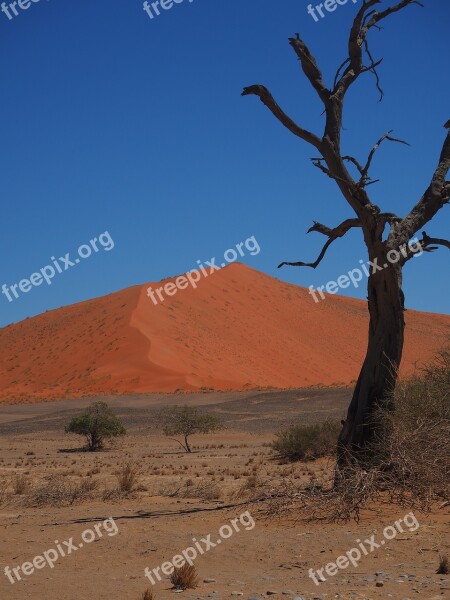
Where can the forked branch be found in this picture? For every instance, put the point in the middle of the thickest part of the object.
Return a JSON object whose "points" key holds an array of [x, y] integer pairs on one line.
{"points": [[364, 172], [427, 242], [332, 234], [366, 19]]}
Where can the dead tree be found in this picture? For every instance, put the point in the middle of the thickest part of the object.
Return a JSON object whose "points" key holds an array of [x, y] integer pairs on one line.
{"points": [[385, 297]]}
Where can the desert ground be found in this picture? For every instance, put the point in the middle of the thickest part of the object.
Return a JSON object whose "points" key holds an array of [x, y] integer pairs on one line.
{"points": [[181, 496]]}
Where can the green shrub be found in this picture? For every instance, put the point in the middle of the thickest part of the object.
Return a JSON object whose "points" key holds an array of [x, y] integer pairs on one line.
{"points": [[307, 442], [97, 424]]}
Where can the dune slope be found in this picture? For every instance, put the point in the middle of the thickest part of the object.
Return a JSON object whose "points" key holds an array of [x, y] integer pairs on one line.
{"points": [[239, 329]]}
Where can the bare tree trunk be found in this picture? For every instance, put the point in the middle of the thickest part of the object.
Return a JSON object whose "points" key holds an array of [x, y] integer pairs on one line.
{"points": [[378, 375], [379, 372]]}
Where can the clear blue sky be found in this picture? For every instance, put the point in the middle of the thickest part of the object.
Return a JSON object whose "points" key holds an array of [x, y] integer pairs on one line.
{"points": [[113, 121]]}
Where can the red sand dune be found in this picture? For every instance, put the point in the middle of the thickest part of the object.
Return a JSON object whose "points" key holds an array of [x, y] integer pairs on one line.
{"points": [[239, 329]]}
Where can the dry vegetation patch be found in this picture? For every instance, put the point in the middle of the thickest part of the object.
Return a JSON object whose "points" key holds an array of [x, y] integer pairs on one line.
{"points": [[411, 464], [59, 492], [204, 490], [307, 442]]}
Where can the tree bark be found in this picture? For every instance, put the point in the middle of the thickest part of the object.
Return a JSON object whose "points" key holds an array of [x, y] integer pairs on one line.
{"points": [[379, 372]]}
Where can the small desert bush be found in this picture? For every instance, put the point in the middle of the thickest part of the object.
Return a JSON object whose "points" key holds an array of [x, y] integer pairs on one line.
{"points": [[110, 495], [250, 485], [205, 490], [307, 442], [57, 492], [147, 595], [184, 578], [254, 487], [21, 484], [128, 477], [4, 495]]}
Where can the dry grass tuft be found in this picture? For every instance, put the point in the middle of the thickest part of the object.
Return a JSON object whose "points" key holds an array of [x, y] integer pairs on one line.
{"points": [[184, 578], [147, 595], [21, 484], [4, 495], [128, 477], [444, 566]]}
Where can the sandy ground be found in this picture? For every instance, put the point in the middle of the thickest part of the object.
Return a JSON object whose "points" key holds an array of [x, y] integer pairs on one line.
{"points": [[151, 527]]}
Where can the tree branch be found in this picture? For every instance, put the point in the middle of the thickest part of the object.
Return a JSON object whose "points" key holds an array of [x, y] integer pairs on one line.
{"points": [[355, 162], [310, 68], [332, 234], [181, 444], [338, 72], [373, 68], [365, 170], [266, 98], [317, 162], [364, 21], [365, 180], [428, 244], [338, 231], [435, 197], [329, 146], [314, 264]]}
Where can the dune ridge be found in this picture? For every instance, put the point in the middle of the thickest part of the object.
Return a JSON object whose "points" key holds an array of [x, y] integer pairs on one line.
{"points": [[240, 329]]}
